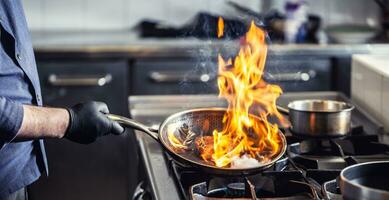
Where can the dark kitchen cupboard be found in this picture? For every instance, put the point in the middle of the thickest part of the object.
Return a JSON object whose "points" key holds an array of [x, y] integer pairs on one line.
{"points": [[299, 73], [193, 76], [106, 169], [152, 76]]}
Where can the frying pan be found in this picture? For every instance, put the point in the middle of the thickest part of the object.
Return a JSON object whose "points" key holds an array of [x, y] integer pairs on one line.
{"points": [[194, 119], [319, 118], [365, 181]]}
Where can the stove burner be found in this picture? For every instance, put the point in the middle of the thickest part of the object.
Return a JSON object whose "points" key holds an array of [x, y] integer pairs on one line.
{"points": [[186, 176], [274, 186], [336, 153]]}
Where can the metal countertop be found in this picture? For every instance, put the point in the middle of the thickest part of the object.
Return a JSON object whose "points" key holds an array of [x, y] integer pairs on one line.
{"points": [[129, 43]]}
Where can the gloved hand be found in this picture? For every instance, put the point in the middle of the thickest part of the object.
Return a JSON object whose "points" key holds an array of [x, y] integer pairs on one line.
{"points": [[88, 122]]}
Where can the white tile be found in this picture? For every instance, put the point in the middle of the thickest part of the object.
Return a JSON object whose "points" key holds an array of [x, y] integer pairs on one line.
{"points": [[385, 103], [358, 11], [277, 5], [221, 7], [352, 11], [182, 12], [126, 14], [339, 12], [372, 92], [146, 9], [177, 12], [63, 15], [357, 82], [34, 13], [103, 14], [320, 8], [119, 14]]}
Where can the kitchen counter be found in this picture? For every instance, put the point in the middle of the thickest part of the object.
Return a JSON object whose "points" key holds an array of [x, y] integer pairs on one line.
{"points": [[130, 44], [370, 84], [377, 63]]}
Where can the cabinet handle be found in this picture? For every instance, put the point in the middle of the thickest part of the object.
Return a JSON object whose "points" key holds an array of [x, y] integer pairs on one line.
{"points": [[293, 76], [88, 80], [169, 77]]}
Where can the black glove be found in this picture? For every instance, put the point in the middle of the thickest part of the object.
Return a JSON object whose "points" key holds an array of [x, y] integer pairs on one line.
{"points": [[88, 122]]}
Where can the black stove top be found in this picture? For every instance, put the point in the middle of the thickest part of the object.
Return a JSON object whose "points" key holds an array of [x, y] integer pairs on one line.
{"points": [[307, 171], [267, 185], [308, 164]]}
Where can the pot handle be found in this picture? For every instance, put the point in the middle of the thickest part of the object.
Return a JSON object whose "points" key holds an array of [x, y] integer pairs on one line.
{"points": [[130, 123], [282, 110]]}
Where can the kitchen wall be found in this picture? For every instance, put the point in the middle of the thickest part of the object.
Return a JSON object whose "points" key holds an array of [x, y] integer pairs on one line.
{"points": [[338, 11], [118, 14], [123, 14]]}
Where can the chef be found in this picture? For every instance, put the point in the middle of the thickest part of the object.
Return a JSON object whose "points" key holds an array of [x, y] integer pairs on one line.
{"points": [[23, 120]]}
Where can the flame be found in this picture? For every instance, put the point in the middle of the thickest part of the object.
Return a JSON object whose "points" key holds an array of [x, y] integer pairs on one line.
{"points": [[220, 27], [241, 83]]}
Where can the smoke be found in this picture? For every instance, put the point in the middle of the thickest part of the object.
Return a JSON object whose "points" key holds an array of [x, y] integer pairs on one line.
{"points": [[204, 55], [205, 69]]}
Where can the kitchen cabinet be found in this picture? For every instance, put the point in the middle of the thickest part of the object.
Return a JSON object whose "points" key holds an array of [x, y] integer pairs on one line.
{"points": [[106, 169], [172, 76], [299, 73], [65, 83], [190, 76]]}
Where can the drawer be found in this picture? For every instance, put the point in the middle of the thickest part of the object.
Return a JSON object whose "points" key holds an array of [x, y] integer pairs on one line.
{"points": [[68, 83], [191, 77], [299, 75], [151, 77]]}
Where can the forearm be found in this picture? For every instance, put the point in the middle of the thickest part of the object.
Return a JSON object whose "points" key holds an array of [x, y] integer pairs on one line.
{"points": [[41, 122]]}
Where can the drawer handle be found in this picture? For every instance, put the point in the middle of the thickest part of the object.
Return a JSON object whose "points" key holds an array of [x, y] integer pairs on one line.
{"points": [[89, 80], [169, 77], [294, 76]]}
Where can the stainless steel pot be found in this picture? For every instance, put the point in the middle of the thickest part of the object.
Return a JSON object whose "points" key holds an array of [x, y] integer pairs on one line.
{"points": [[365, 181], [319, 118]]}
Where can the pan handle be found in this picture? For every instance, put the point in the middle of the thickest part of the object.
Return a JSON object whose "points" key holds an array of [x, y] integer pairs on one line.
{"points": [[135, 125], [283, 110]]}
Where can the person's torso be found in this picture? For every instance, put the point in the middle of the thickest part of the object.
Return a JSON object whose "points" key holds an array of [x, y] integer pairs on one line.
{"points": [[18, 82]]}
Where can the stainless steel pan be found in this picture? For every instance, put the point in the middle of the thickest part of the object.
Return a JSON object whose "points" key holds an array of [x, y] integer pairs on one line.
{"points": [[319, 118], [193, 119], [366, 181]]}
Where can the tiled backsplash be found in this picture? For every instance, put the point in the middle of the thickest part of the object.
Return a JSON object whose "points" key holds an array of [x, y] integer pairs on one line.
{"points": [[118, 14], [124, 14]]}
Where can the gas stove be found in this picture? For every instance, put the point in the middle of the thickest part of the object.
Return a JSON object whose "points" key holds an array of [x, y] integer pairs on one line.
{"points": [[308, 170]]}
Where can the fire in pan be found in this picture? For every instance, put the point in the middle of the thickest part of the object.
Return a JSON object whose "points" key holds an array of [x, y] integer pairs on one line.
{"points": [[189, 136]]}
